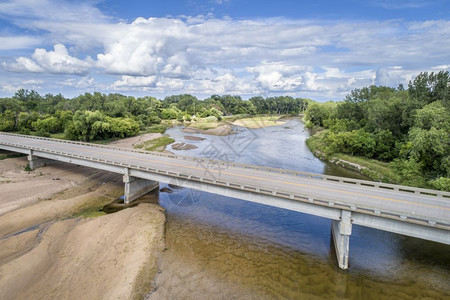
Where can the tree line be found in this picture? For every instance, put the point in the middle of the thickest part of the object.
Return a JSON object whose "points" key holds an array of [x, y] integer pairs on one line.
{"points": [[99, 116], [410, 128]]}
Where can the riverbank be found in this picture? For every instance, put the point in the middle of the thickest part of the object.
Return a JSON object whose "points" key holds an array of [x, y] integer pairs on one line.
{"points": [[373, 169], [50, 249]]}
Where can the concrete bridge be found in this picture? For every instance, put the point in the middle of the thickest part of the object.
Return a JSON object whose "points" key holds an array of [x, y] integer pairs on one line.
{"points": [[415, 212]]}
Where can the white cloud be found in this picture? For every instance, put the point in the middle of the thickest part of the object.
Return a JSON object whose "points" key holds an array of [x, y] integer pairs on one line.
{"points": [[278, 76], [64, 11], [58, 62], [441, 68], [85, 82], [9, 88], [32, 82], [131, 81], [401, 4], [17, 42], [204, 54], [392, 76], [23, 64]]}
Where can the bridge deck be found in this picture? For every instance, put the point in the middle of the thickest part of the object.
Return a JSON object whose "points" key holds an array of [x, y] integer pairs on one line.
{"points": [[425, 207]]}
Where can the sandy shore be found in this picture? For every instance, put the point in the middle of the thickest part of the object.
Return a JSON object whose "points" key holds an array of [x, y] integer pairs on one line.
{"points": [[46, 253], [259, 122], [34, 186], [136, 140], [112, 256], [221, 130]]}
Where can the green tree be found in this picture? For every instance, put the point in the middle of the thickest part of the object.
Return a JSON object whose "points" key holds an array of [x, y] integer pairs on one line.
{"points": [[431, 148], [318, 113], [121, 127], [49, 125], [433, 115], [8, 121], [170, 113], [88, 126]]}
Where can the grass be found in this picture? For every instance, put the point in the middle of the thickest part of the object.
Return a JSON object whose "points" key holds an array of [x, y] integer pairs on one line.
{"points": [[158, 144], [12, 155], [244, 120], [59, 135], [372, 168], [27, 168], [316, 143], [375, 169], [90, 213], [205, 125], [159, 128], [258, 121]]}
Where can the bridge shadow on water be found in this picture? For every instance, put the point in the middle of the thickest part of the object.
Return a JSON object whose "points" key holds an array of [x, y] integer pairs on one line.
{"points": [[211, 233], [371, 250]]}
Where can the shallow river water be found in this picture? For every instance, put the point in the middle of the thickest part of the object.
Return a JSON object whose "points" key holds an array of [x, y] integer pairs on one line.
{"points": [[223, 248]]}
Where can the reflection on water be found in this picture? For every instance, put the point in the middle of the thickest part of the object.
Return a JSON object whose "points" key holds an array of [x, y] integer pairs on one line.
{"points": [[220, 247]]}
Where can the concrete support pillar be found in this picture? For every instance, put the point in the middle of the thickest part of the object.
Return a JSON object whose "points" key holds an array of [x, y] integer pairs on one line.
{"points": [[341, 231], [37, 162], [137, 187]]}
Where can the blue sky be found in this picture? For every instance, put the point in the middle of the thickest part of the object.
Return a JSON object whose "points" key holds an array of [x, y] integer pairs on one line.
{"points": [[316, 49]]}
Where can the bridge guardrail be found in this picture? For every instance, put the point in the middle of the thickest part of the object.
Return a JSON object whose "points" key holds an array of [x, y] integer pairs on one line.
{"points": [[278, 193], [365, 183]]}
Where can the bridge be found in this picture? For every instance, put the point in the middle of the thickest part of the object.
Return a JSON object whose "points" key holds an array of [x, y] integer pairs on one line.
{"points": [[415, 212]]}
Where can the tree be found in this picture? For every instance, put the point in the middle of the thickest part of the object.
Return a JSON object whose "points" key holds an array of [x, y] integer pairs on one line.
{"points": [[122, 127], [431, 148], [88, 126], [49, 125], [30, 99], [385, 148], [7, 121], [317, 113], [170, 113], [430, 87], [433, 115]]}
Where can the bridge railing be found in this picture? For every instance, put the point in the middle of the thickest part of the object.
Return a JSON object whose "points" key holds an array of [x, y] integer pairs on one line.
{"points": [[411, 218], [208, 161]]}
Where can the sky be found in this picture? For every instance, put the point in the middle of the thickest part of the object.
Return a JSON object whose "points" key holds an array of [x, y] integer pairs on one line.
{"points": [[311, 49]]}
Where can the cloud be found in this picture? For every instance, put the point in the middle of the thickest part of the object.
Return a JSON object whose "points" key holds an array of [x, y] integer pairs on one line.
{"points": [[441, 68], [147, 47], [57, 62], [17, 42], [392, 76], [221, 1], [23, 64], [85, 82], [10, 89], [277, 76], [63, 11], [32, 82], [131, 81], [402, 4], [204, 54]]}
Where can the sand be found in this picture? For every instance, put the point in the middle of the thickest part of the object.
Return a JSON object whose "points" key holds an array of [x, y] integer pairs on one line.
{"points": [[221, 130], [34, 186], [259, 122], [46, 252], [112, 256], [136, 140], [183, 146]]}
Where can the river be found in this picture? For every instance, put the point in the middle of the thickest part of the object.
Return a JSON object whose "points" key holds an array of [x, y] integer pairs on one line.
{"points": [[223, 248]]}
